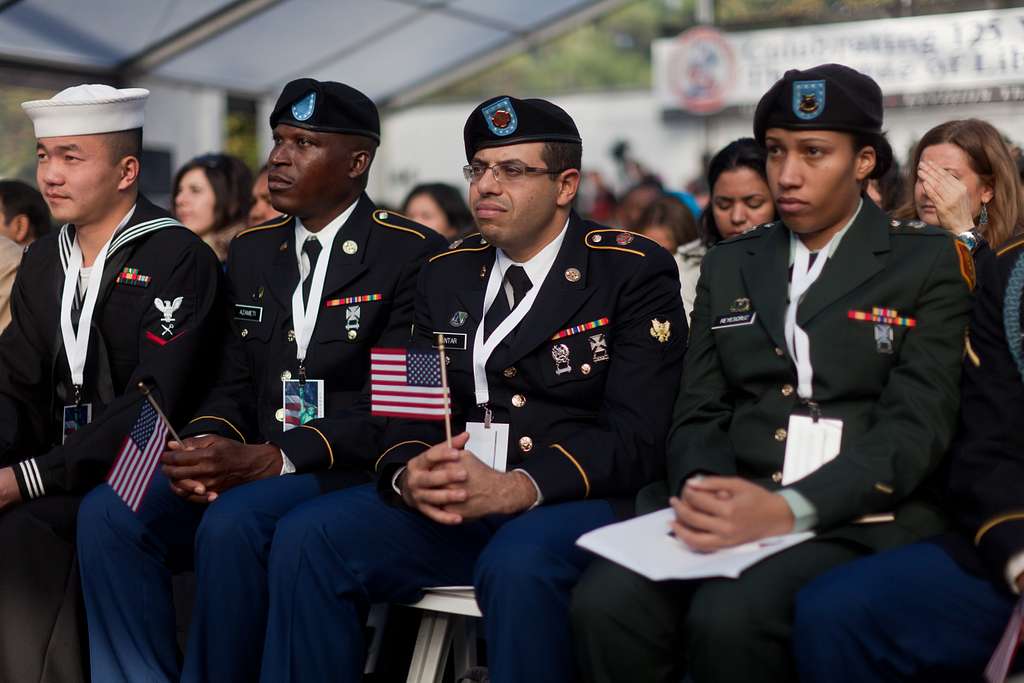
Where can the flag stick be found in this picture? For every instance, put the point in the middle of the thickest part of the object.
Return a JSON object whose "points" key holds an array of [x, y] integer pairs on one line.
{"points": [[149, 397], [444, 385]]}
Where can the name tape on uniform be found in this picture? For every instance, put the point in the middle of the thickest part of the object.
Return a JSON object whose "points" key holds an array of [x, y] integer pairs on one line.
{"points": [[734, 320], [452, 340], [253, 314]]}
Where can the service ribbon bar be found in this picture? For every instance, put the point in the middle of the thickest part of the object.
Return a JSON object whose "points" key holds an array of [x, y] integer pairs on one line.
{"points": [[131, 276], [888, 316], [581, 328], [353, 300]]}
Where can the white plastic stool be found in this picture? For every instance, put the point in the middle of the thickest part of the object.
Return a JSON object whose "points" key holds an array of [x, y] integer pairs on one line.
{"points": [[448, 623]]}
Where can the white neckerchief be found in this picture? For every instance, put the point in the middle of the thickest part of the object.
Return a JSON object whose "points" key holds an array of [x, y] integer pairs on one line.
{"points": [[303, 318], [76, 344], [537, 269], [797, 341]]}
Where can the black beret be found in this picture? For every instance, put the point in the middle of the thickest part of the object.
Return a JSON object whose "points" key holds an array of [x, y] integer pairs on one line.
{"points": [[328, 107], [505, 120], [826, 97]]}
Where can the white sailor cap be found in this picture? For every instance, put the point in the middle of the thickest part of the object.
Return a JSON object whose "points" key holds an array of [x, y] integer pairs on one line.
{"points": [[86, 110]]}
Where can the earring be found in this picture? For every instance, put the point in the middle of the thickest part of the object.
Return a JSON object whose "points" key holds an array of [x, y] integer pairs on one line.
{"points": [[983, 216]]}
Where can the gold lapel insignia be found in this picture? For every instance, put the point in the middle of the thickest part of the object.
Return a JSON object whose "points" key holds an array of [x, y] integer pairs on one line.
{"points": [[661, 330], [573, 274]]}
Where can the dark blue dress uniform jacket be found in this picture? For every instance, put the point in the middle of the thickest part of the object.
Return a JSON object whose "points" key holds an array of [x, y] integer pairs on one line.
{"points": [[152, 257], [263, 272], [986, 473], [595, 431]]}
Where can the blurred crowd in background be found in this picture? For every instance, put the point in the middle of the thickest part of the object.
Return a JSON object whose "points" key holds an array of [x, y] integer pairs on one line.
{"points": [[955, 168]]}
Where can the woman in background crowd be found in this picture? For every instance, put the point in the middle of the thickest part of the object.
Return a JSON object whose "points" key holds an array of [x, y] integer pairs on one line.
{"points": [[441, 208], [261, 210], [670, 223], [887, 190], [963, 178], [211, 198], [740, 198]]}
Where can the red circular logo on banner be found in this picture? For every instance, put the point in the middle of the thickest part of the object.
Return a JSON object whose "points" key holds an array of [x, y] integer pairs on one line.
{"points": [[702, 70]]}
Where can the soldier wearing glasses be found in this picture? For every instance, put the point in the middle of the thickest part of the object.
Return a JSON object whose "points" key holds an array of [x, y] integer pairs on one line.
{"points": [[577, 333]]}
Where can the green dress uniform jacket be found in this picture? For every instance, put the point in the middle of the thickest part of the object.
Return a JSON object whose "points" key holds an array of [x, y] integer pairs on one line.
{"points": [[898, 401], [151, 259]]}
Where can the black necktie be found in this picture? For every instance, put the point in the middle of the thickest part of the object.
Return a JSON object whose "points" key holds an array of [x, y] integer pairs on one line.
{"points": [[311, 248], [499, 310]]}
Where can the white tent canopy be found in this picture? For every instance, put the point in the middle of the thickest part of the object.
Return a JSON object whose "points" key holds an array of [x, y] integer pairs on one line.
{"points": [[393, 50]]}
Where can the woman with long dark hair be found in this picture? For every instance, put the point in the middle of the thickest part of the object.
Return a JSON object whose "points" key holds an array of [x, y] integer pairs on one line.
{"points": [[212, 197]]}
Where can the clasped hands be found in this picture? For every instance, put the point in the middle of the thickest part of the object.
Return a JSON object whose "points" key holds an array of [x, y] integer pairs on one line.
{"points": [[713, 513], [450, 485], [202, 467]]}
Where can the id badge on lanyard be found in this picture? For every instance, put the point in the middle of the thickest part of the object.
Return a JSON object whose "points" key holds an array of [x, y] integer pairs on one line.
{"points": [[76, 342], [303, 401], [811, 441]]}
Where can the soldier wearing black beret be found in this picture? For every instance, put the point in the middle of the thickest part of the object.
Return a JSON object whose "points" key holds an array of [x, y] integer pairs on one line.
{"points": [[310, 292], [565, 341], [820, 391]]}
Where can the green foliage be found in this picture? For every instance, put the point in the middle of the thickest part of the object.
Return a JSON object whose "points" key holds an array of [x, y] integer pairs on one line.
{"points": [[17, 144], [613, 52], [240, 136]]}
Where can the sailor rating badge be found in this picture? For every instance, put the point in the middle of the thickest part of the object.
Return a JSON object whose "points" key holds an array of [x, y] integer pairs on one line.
{"points": [[168, 308]]}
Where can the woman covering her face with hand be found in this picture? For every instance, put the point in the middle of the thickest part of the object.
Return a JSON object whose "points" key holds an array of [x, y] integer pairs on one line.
{"points": [[963, 179]]}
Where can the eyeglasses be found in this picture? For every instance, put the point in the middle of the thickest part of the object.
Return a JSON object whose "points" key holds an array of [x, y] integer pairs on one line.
{"points": [[504, 171]]}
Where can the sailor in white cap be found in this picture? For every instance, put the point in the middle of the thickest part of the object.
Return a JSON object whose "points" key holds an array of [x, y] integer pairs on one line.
{"points": [[121, 294]]}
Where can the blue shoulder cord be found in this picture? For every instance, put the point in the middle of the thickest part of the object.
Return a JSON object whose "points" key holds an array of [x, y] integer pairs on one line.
{"points": [[1011, 313]]}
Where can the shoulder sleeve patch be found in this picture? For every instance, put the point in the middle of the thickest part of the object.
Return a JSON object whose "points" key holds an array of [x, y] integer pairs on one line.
{"points": [[966, 264], [396, 221]]}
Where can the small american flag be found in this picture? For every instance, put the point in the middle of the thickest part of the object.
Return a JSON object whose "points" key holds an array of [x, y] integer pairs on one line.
{"points": [[138, 458], [407, 383]]}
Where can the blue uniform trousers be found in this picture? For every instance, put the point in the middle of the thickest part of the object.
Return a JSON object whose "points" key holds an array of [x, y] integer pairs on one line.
{"points": [[127, 561], [908, 614], [335, 556]]}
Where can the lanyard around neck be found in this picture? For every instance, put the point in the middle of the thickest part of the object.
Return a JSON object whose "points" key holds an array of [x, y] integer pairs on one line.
{"points": [[76, 343], [304, 314], [482, 350], [796, 339]]}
